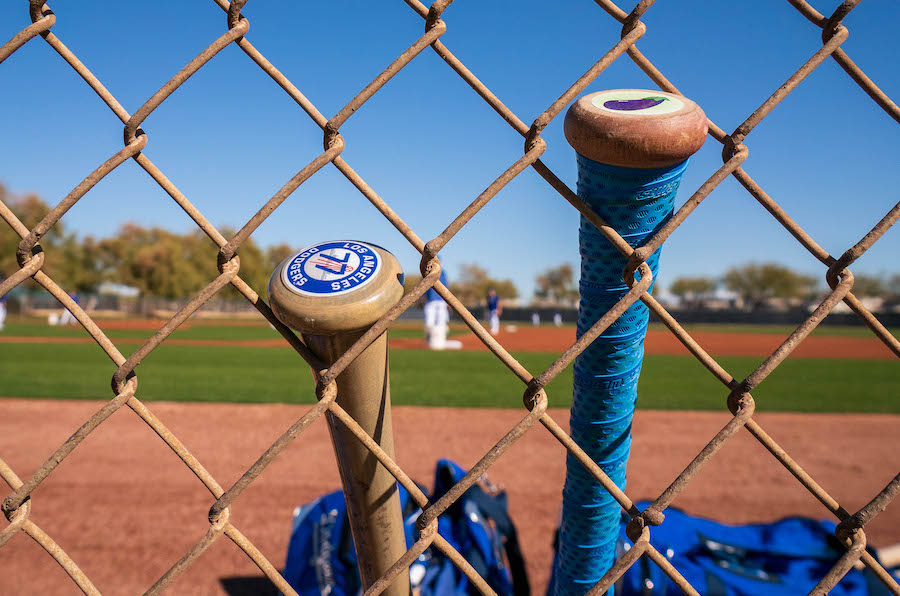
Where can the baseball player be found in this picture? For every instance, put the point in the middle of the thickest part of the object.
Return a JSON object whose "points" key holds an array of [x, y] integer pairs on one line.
{"points": [[437, 320], [67, 317], [494, 310]]}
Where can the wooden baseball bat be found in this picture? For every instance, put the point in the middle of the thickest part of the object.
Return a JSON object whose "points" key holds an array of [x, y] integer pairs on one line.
{"points": [[332, 292]]}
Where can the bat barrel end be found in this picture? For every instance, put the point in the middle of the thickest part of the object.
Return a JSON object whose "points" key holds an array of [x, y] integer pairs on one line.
{"points": [[335, 287], [635, 128]]}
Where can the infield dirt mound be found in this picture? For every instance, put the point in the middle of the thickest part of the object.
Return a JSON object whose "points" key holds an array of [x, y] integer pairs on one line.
{"points": [[126, 508]]}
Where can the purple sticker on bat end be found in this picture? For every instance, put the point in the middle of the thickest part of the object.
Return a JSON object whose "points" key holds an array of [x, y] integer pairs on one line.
{"points": [[636, 101]]}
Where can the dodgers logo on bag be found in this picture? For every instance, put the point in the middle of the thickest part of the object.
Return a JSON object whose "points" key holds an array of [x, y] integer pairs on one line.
{"points": [[331, 268]]}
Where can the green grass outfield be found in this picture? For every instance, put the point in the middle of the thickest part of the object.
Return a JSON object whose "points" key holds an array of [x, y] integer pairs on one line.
{"points": [[207, 330], [259, 329], [420, 377]]}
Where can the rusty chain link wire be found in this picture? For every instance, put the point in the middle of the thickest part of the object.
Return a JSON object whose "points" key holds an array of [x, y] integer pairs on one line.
{"points": [[851, 528]]}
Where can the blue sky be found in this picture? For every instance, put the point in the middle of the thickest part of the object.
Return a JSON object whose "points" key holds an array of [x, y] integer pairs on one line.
{"points": [[230, 137]]}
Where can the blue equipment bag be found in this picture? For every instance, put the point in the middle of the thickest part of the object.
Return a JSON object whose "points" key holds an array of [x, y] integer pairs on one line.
{"points": [[321, 558], [783, 558]]}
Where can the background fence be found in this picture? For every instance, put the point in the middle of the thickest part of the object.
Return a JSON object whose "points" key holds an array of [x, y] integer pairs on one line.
{"points": [[736, 394], [40, 304]]}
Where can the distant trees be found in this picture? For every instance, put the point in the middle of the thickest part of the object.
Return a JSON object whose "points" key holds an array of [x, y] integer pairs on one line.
{"points": [[693, 290], [893, 286], [76, 265], [276, 254], [66, 260], [762, 284], [255, 268], [157, 262], [162, 263], [472, 285], [557, 285], [757, 284], [30, 210], [869, 286], [166, 264], [474, 282]]}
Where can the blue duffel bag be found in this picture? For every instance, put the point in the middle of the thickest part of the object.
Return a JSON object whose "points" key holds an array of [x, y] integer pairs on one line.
{"points": [[321, 558]]}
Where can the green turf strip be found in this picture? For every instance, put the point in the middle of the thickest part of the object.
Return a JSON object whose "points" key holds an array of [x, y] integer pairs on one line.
{"points": [[475, 379], [31, 328]]}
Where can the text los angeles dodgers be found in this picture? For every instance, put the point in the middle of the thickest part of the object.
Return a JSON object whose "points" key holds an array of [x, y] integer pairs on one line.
{"points": [[331, 268]]}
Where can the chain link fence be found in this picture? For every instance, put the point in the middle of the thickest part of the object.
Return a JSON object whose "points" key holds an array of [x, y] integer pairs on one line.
{"points": [[850, 530]]}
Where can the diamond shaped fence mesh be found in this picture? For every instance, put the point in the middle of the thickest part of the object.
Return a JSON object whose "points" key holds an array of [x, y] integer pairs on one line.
{"points": [[125, 382]]}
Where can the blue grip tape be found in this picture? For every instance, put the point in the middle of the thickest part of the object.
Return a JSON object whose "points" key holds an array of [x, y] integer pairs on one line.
{"points": [[636, 202]]}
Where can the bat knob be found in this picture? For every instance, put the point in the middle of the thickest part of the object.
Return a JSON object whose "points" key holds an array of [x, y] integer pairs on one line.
{"points": [[335, 287], [635, 128]]}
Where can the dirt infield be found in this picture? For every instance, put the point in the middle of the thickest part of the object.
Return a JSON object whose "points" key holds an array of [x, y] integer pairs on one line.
{"points": [[125, 508], [549, 339]]}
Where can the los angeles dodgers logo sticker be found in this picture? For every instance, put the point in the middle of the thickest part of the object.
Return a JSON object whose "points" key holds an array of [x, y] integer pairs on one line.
{"points": [[331, 268]]}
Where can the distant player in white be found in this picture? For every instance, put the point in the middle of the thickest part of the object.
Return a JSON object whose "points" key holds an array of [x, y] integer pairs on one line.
{"points": [[494, 310], [67, 317], [437, 320], [2, 312]]}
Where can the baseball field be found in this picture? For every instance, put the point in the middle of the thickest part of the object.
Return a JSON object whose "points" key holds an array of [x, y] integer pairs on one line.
{"points": [[123, 496], [837, 369]]}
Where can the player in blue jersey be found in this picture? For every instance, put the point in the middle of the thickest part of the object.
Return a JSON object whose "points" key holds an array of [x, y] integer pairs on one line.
{"points": [[494, 311]]}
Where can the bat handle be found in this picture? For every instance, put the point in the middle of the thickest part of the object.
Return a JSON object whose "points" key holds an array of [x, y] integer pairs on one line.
{"points": [[636, 202], [373, 502]]}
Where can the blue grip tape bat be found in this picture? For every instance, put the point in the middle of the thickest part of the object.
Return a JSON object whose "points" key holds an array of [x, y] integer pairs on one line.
{"points": [[632, 148]]}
